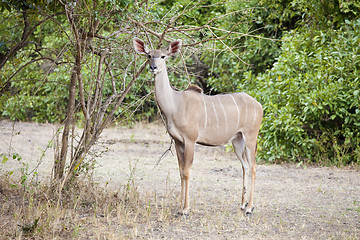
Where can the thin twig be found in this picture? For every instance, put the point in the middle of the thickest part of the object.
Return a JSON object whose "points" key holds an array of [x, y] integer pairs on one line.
{"points": [[171, 22], [187, 73], [229, 48], [164, 154]]}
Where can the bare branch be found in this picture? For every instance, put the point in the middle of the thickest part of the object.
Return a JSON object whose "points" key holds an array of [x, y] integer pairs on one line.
{"points": [[26, 64], [146, 28], [27, 31], [82, 99], [108, 68], [171, 21], [228, 48], [124, 93], [187, 73], [125, 74]]}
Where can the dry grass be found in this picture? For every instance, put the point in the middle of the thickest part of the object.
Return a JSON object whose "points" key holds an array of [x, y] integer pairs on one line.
{"points": [[86, 211], [89, 211], [140, 199]]}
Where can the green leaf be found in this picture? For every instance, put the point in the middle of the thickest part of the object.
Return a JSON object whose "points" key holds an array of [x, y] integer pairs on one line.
{"points": [[5, 159], [299, 164]]}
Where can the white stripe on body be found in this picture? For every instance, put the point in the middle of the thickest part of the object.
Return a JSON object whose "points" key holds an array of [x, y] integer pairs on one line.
{"points": [[238, 111], [205, 124], [246, 112], [217, 119], [255, 114], [226, 122]]}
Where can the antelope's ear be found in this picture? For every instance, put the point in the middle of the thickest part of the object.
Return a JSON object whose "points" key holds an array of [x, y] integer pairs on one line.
{"points": [[174, 47], [140, 46]]}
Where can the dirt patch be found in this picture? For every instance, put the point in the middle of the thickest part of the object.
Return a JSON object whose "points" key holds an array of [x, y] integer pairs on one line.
{"points": [[290, 202]]}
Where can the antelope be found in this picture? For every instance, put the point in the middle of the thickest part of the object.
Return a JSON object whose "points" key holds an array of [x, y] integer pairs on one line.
{"points": [[193, 117]]}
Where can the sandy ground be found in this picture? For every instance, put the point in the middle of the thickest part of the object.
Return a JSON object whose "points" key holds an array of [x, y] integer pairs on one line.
{"points": [[290, 202]]}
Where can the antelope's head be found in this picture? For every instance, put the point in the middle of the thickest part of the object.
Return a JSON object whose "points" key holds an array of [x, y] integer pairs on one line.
{"points": [[156, 57]]}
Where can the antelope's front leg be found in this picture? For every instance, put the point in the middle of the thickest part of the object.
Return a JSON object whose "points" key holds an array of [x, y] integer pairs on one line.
{"points": [[188, 160], [185, 155], [180, 149]]}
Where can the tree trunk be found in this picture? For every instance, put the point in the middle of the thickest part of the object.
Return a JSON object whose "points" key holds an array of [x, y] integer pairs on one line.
{"points": [[59, 167]]}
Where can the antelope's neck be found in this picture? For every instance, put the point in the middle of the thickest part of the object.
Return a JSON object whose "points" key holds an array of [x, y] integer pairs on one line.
{"points": [[165, 94]]}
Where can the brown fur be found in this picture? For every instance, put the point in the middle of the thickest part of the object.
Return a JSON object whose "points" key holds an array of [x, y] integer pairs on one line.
{"points": [[194, 88]]}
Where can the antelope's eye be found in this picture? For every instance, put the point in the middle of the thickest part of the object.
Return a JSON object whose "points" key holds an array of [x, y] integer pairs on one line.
{"points": [[163, 57], [149, 56]]}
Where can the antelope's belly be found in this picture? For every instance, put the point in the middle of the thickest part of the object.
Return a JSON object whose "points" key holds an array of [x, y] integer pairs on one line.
{"points": [[214, 136]]}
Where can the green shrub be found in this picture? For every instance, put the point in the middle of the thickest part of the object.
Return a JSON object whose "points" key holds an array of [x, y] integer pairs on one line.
{"points": [[311, 98], [35, 98]]}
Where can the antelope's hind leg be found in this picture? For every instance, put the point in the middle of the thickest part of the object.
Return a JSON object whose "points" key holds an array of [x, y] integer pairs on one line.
{"points": [[239, 147], [250, 148]]}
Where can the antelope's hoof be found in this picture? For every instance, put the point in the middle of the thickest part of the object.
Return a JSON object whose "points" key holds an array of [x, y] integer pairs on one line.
{"points": [[181, 214], [249, 211], [185, 212], [248, 214], [243, 207]]}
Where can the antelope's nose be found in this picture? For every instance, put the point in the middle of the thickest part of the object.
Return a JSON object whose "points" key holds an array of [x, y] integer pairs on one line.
{"points": [[153, 68]]}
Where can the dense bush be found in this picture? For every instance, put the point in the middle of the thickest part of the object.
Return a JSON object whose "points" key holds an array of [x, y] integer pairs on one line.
{"points": [[311, 97], [36, 98]]}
